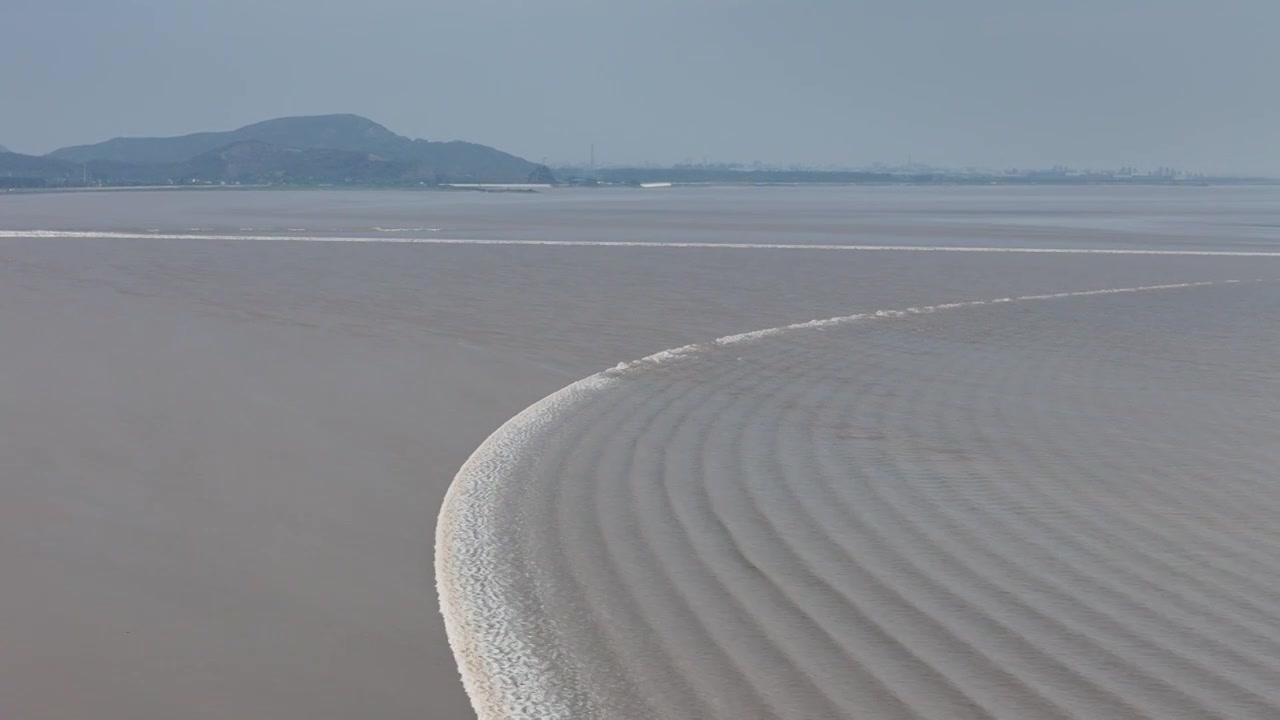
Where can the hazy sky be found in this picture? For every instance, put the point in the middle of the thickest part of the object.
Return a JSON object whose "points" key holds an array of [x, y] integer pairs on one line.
{"points": [[1004, 83]]}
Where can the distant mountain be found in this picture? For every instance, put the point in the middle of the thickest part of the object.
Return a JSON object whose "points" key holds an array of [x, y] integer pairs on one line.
{"points": [[17, 165], [18, 170], [246, 163], [4, 149], [335, 132], [353, 149], [259, 162]]}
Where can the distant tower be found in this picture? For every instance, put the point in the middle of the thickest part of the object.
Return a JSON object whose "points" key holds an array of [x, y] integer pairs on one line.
{"points": [[593, 158]]}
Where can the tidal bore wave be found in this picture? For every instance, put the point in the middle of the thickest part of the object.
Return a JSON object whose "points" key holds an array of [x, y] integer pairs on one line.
{"points": [[1035, 510]]}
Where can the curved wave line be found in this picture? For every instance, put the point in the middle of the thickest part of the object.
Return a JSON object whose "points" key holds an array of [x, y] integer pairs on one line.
{"points": [[112, 235], [508, 668]]}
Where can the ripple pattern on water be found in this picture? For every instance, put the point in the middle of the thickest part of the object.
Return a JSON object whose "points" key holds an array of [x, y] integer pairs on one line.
{"points": [[1047, 506]]}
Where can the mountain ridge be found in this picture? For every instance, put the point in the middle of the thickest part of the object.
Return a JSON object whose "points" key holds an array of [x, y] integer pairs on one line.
{"points": [[310, 149], [342, 131]]}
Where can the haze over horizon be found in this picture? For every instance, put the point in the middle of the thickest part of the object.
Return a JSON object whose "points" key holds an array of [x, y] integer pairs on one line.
{"points": [[993, 83]]}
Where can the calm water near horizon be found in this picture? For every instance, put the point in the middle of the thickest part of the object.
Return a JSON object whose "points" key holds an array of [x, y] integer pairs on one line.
{"points": [[1149, 217]]}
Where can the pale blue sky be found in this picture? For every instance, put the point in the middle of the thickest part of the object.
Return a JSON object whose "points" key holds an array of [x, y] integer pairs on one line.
{"points": [[1004, 83]]}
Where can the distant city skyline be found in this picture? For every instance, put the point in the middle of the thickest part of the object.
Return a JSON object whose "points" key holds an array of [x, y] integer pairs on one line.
{"points": [[1120, 169], [997, 83]]}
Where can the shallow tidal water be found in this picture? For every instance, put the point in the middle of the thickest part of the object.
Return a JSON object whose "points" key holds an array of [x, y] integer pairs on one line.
{"points": [[223, 459]]}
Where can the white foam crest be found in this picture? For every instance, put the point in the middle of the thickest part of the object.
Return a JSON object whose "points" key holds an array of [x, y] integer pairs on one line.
{"points": [[105, 235], [504, 675], [658, 358], [922, 310], [507, 671]]}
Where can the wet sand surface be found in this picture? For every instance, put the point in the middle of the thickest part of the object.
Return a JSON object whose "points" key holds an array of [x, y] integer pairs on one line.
{"points": [[222, 460]]}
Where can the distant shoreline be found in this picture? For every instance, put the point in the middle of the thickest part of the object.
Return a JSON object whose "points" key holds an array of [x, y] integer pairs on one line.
{"points": [[685, 176], [276, 186], [651, 185]]}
